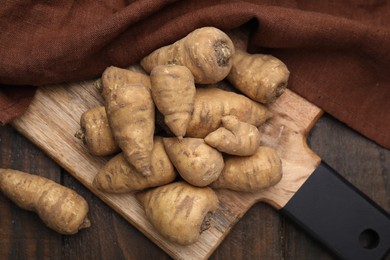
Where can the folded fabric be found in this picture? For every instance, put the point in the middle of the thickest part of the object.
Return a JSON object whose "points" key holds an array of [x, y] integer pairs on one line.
{"points": [[338, 52]]}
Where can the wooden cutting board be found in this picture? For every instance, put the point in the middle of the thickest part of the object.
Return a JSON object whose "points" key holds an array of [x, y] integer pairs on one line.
{"points": [[53, 118]]}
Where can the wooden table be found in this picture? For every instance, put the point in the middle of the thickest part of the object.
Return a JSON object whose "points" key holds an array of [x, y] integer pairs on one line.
{"points": [[261, 234]]}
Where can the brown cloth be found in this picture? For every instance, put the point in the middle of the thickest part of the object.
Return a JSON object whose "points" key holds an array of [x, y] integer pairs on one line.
{"points": [[338, 52]]}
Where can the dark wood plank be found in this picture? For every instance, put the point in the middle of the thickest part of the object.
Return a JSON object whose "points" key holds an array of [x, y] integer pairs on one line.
{"points": [[22, 233], [362, 162], [110, 236], [258, 235]]}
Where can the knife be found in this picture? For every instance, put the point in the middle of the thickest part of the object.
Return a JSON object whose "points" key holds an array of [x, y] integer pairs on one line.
{"points": [[339, 216]]}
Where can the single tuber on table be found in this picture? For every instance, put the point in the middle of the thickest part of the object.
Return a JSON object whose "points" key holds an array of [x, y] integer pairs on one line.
{"points": [[59, 207]]}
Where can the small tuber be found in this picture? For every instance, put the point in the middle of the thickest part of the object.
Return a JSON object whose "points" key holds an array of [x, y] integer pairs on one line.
{"points": [[211, 104], [235, 137], [173, 92], [96, 132], [59, 207], [207, 52], [118, 176], [197, 163], [179, 212], [130, 112], [250, 173], [261, 77]]}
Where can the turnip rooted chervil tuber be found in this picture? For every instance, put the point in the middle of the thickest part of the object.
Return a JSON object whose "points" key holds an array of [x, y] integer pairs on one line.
{"points": [[179, 211], [59, 207], [211, 104], [197, 162], [173, 92], [234, 137], [207, 52], [130, 112], [261, 77], [118, 176], [96, 132], [250, 173]]}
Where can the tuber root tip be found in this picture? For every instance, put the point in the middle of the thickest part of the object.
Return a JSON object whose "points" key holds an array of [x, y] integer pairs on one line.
{"points": [[206, 222], [98, 84], [86, 224], [223, 53], [80, 134]]}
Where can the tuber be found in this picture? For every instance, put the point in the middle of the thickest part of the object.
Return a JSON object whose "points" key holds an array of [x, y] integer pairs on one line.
{"points": [[250, 173], [118, 176], [197, 163], [261, 77], [207, 52], [96, 132], [130, 112], [211, 104], [179, 212], [59, 207], [173, 92], [235, 137]]}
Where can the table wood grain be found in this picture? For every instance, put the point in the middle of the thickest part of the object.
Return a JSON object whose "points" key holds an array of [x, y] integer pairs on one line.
{"points": [[261, 234]]}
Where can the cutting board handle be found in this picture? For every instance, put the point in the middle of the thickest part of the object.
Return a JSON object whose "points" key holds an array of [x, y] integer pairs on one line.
{"points": [[340, 216]]}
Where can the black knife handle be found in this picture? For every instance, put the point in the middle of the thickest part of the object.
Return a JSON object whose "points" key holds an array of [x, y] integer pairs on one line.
{"points": [[340, 216]]}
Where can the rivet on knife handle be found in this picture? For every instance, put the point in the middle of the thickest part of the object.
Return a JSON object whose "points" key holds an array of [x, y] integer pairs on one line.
{"points": [[341, 217]]}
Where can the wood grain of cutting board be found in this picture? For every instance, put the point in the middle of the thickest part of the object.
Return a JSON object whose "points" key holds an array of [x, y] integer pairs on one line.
{"points": [[53, 118]]}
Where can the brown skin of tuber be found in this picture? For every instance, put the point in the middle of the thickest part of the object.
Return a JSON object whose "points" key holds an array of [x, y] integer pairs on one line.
{"points": [[211, 104], [173, 92], [118, 176], [120, 76], [178, 210], [197, 163], [235, 137], [250, 173], [130, 112], [207, 52], [59, 207], [263, 78], [96, 132]]}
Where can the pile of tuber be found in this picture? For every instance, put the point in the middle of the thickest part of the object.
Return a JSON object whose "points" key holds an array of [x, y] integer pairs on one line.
{"points": [[59, 207], [211, 138]]}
